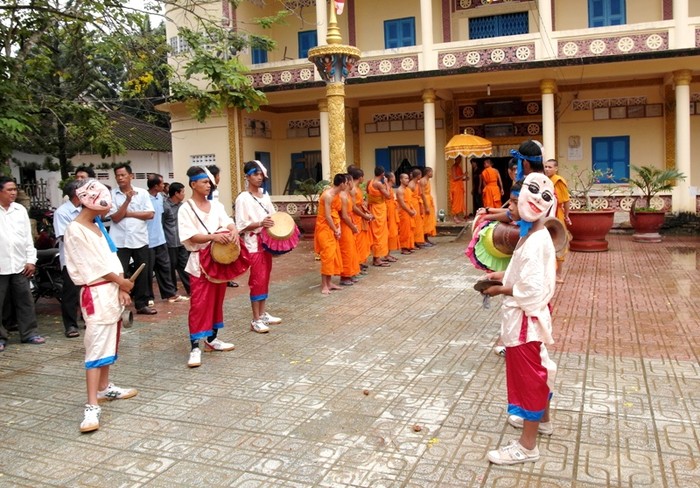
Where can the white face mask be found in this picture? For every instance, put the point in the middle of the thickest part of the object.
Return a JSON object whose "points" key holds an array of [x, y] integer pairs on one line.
{"points": [[536, 197]]}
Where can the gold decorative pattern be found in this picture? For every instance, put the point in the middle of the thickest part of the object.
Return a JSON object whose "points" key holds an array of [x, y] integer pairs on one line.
{"points": [[548, 87], [235, 143], [670, 126], [335, 94]]}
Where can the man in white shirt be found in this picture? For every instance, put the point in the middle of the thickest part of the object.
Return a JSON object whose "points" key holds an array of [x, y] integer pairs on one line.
{"points": [[131, 208], [17, 263], [64, 215]]}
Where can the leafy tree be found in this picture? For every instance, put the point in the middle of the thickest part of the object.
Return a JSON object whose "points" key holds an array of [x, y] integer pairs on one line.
{"points": [[65, 63]]}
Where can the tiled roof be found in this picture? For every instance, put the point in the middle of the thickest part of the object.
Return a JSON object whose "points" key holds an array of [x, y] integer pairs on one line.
{"points": [[139, 135]]}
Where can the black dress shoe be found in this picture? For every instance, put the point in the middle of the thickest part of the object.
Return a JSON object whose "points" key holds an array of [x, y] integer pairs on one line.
{"points": [[147, 311]]}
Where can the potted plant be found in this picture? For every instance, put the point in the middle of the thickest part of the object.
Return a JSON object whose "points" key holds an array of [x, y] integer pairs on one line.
{"points": [[311, 191], [591, 220], [647, 220]]}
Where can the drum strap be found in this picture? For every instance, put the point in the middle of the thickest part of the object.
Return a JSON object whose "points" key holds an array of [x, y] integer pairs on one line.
{"points": [[197, 215], [259, 203]]}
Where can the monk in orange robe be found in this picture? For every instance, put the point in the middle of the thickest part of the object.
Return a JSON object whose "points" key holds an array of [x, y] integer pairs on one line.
{"points": [[429, 218], [457, 179], [361, 217], [418, 206], [377, 193], [491, 186], [392, 214], [561, 192], [327, 233], [348, 231], [404, 200]]}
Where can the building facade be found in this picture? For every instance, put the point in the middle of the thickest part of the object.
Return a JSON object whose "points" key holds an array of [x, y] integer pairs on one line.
{"points": [[601, 83]]}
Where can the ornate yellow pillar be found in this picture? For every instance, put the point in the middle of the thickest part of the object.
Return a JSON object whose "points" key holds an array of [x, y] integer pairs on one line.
{"points": [[335, 94], [334, 61]]}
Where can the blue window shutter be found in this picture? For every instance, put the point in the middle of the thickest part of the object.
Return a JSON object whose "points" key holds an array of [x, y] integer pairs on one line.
{"points": [[259, 55], [612, 153], [420, 154], [382, 158], [399, 33], [307, 40], [606, 12]]}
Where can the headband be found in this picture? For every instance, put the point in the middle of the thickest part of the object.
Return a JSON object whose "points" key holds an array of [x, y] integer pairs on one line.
{"points": [[260, 168], [519, 174], [199, 176]]}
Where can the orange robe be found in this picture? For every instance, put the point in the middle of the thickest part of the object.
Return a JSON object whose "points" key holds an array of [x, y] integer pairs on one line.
{"points": [[491, 192], [430, 220], [348, 249], [406, 222], [561, 192], [457, 191], [325, 243], [392, 221], [380, 230], [418, 236], [363, 240]]}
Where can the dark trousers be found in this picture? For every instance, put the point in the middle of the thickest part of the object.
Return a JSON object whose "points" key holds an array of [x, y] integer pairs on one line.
{"points": [[139, 293], [178, 262], [23, 303], [70, 301], [159, 262]]}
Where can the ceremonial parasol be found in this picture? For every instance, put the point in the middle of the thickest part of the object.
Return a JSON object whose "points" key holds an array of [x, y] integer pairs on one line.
{"points": [[467, 145]]}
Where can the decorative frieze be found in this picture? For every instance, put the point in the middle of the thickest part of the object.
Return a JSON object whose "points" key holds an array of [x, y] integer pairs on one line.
{"points": [[288, 76], [470, 4], [257, 128], [593, 103], [485, 57], [606, 46], [386, 66]]}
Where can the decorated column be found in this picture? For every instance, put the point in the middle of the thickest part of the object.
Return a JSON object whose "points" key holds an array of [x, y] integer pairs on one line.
{"points": [[334, 62]]}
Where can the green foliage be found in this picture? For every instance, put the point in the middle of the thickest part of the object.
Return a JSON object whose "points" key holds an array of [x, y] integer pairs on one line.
{"points": [[651, 180], [311, 190]]}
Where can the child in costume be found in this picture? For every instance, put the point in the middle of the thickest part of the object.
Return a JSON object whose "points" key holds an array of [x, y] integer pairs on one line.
{"points": [[526, 327], [93, 265]]}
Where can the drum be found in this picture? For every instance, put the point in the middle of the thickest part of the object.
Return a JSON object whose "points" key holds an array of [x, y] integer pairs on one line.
{"points": [[225, 253], [221, 263], [281, 237]]}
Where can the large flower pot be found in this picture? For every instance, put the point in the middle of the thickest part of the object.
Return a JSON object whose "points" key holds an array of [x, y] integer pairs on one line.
{"points": [[646, 225], [588, 230], [307, 224]]}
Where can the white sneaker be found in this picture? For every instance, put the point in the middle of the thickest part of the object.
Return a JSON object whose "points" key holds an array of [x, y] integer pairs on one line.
{"points": [[500, 351], [513, 453], [195, 359], [218, 345], [269, 319], [151, 303], [546, 428], [113, 392], [259, 326], [91, 419]]}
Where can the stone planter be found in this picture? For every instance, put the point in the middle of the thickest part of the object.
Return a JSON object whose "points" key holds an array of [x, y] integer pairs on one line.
{"points": [[646, 225], [589, 229]]}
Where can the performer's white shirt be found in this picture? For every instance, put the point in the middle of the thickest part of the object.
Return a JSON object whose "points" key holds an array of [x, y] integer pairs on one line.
{"points": [[88, 259], [532, 274], [249, 210], [16, 242], [189, 225]]}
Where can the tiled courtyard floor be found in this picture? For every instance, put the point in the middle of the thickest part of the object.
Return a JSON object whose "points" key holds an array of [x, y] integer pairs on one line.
{"points": [[332, 397]]}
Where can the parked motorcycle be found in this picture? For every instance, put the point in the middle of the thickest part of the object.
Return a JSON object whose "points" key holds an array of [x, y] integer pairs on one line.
{"points": [[47, 280]]}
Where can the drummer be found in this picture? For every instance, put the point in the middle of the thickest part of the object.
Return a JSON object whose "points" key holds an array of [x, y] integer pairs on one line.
{"points": [[198, 222], [253, 211]]}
